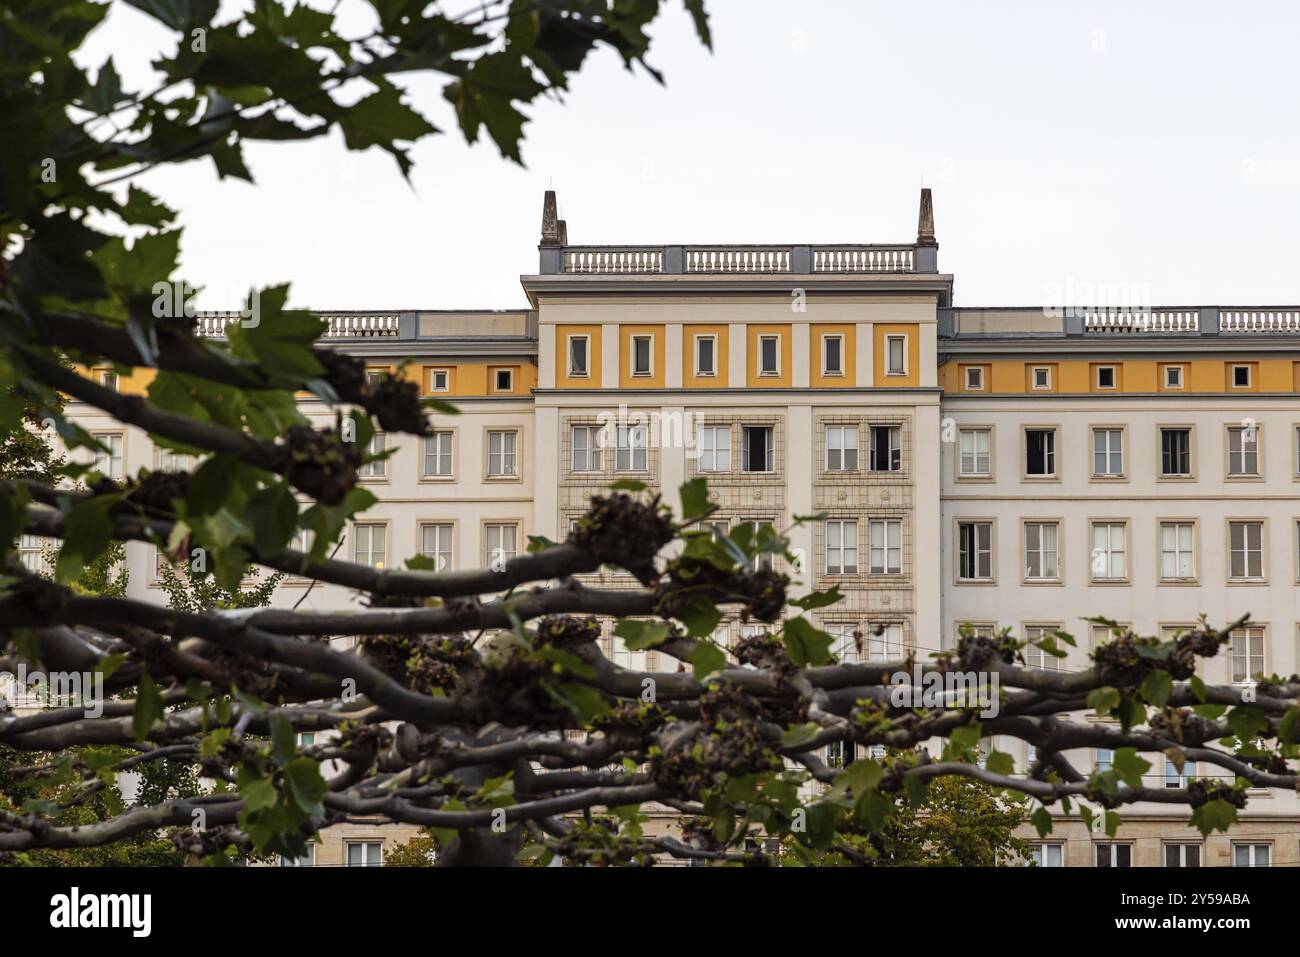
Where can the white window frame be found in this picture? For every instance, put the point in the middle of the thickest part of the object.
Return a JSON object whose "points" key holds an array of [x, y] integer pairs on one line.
{"points": [[440, 546], [367, 859], [981, 557], [1236, 367], [1042, 551], [715, 448], [496, 380], [1178, 552], [584, 440], [446, 380], [365, 550], [1179, 377], [894, 453], [631, 448], [974, 454], [769, 449], [437, 448], [1252, 854], [1046, 384], [841, 547], [574, 371], [1113, 846], [713, 354], [496, 551], [1247, 551], [1108, 443], [901, 368], [827, 339], [634, 341], [840, 441], [776, 355], [1052, 455], [375, 470], [1105, 553], [1240, 456], [1247, 654], [975, 384], [114, 459], [1038, 853], [503, 462], [885, 541], [1114, 378], [887, 645]]}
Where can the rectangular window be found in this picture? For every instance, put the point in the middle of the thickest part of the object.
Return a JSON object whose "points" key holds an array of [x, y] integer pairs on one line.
{"points": [[1040, 452], [1105, 377], [757, 451], [832, 355], [841, 548], [884, 642], [1114, 855], [896, 348], [769, 362], [1173, 377], [108, 379], [642, 364], [1251, 855], [974, 459], [1243, 450], [974, 378], [504, 380], [435, 543], [31, 553], [437, 455], [706, 348], [1179, 779], [975, 551], [1246, 549], [307, 859], [369, 543], [1176, 556], [502, 454], [841, 448], [501, 543], [1105, 759], [1036, 657], [585, 452], [364, 853], [886, 448], [1041, 376], [885, 536], [1041, 540], [439, 380], [1246, 654], [169, 461], [1109, 558], [1176, 453], [379, 468], [631, 452], [578, 348], [715, 448], [1108, 452], [1241, 377], [108, 463], [1047, 855]]}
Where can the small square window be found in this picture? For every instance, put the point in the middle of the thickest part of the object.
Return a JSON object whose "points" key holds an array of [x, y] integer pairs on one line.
{"points": [[1105, 377], [1042, 377], [504, 380], [1241, 377], [974, 378], [439, 380], [1173, 377]]}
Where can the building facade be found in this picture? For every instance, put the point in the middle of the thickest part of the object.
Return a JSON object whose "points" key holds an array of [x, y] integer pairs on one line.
{"points": [[998, 468]]}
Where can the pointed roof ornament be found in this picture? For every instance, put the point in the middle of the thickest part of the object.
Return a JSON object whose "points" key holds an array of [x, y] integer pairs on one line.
{"points": [[550, 221], [925, 221], [564, 233]]}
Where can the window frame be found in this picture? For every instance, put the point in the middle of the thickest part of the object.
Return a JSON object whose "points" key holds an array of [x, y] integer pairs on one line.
{"points": [[712, 339], [1194, 550], [625, 445], [713, 431], [514, 455], [1234, 368], [1109, 430], [1247, 551], [960, 551], [585, 339], [838, 338], [1126, 551], [370, 527], [437, 525], [775, 339], [966, 378], [1033, 379], [1228, 432], [886, 568], [890, 339], [959, 453], [1059, 551], [634, 340], [769, 449], [844, 430], [434, 371], [1114, 378], [1161, 474], [1055, 454], [843, 568], [118, 435], [1178, 367], [591, 450], [500, 524]]}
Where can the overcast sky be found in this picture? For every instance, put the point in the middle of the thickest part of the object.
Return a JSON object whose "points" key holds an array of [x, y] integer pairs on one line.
{"points": [[1077, 152]]}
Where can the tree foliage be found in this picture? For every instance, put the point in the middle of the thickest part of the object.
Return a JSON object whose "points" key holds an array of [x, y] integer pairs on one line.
{"points": [[478, 704]]}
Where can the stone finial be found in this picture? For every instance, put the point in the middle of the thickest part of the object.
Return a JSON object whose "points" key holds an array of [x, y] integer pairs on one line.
{"points": [[550, 220], [564, 233], [925, 222]]}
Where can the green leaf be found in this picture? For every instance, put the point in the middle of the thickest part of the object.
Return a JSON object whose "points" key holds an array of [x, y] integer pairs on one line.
{"points": [[88, 530], [799, 734], [863, 775], [1111, 823], [1041, 819], [628, 485], [1156, 687], [999, 762], [806, 644], [305, 785], [706, 659], [1198, 688], [967, 736], [640, 635], [1288, 729], [273, 515], [700, 616], [1215, 815], [695, 500], [283, 739], [148, 708], [1129, 766], [1103, 700], [817, 599]]}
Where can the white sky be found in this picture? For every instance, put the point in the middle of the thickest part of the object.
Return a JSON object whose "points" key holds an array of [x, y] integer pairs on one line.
{"points": [[1083, 152]]}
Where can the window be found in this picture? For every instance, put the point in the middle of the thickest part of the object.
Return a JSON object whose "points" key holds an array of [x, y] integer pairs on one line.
{"points": [[1114, 855], [1041, 377], [31, 552], [974, 458], [579, 346], [631, 453], [504, 380], [1040, 452], [1246, 550], [706, 348], [1241, 377], [1105, 377], [975, 551], [886, 448], [306, 739], [306, 859], [379, 468], [974, 378], [896, 353], [1047, 855], [437, 455], [1246, 654], [840, 754], [369, 543], [842, 548], [439, 380], [1108, 453], [1173, 377], [585, 454], [756, 450], [108, 462], [1041, 540], [885, 537], [1036, 657], [1176, 453], [1176, 557], [715, 448], [363, 853], [846, 640], [841, 448], [1179, 779], [884, 642], [769, 355], [502, 457], [500, 542], [374, 377], [1109, 561], [1182, 855], [169, 461], [642, 363], [1105, 759], [436, 543], [108, 379], [832, 355], [1243, 450], [1250, 855]]}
